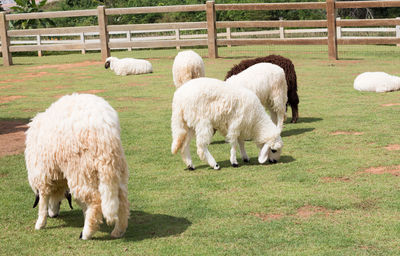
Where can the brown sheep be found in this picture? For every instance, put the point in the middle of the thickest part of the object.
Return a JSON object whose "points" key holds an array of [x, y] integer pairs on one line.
{"points": [[291, 78]]}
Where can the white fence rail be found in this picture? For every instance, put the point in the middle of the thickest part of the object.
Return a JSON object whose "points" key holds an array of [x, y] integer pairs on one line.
{"points": [[176, 34]]}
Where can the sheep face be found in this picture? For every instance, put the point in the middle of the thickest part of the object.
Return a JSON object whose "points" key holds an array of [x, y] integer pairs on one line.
{"points": [[271, 151], [109, 62], [54, 206]]}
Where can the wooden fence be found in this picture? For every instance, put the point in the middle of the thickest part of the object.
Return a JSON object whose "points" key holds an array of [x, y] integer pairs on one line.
{"points": [[332, 25]]}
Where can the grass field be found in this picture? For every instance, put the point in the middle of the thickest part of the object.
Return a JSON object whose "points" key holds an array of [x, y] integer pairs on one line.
{"points": [[336, 190]]}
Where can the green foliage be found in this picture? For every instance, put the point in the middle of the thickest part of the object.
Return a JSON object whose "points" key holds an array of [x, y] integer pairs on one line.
{"points": [[29, 6]]}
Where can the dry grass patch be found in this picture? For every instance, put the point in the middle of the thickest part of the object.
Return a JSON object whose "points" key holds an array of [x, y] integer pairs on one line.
{"points": [[346, 133], [395, 170]]}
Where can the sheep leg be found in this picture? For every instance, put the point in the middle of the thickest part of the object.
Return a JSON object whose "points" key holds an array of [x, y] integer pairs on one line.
{"points": [[243, 151], [295, 113], [93, 218], [277, 117], [204, 133], [185, 153], [43, 208], [233, 159], [202, 150], [123, 213]]}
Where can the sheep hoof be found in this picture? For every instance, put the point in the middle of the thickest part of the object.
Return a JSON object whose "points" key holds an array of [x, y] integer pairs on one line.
{"points": [[273, 161], [246, 160], [235, 165], [217, 167], [190, 168], [53, 216], [80, 236]]}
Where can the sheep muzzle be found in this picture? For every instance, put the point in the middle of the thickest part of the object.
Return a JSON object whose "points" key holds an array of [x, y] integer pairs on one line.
{"points": [[107, 64]]}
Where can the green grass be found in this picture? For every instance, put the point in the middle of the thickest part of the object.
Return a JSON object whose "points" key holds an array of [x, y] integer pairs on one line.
{"points": [[324, 202]]}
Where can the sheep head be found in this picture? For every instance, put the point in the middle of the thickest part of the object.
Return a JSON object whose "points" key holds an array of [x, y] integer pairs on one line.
{"points": [[271, 151]]}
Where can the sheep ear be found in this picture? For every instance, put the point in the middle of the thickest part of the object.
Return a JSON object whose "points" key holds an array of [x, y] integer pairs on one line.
{"points": [[263, 156], [36, 201]]}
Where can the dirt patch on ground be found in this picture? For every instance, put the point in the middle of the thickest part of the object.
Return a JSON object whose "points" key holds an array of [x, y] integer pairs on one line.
{"points": [[135, 84], [392, 147], [390, 104], [68, 66], [130, 98], [346, 133], [12, 137], [11, 81], [308, 211], [92, 91], [6, 99], [335, 179], [267, 217], [304, 212], [5, 87], [395, 170]]}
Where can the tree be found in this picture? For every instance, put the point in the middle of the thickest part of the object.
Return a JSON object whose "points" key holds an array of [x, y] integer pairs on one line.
{"points": [[28, 6]]}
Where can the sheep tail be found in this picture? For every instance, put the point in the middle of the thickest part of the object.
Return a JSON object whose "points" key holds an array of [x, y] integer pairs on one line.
{"points": [[179, 131], [111, 176]]}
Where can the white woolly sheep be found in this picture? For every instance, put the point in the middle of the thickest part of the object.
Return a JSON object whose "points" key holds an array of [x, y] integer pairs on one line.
{"points": [[128, 66], [376, 82], [187, 65], [75, 146], [204, 104], [268, 82]]}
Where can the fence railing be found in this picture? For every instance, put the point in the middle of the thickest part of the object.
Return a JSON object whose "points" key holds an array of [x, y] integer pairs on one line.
{"points": [[333, 27]]}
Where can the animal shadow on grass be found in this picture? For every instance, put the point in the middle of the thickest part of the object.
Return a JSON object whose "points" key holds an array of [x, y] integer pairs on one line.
{"points": [[141, 225], [13, 125], [253, 161], [292, 132], [309, 119]]}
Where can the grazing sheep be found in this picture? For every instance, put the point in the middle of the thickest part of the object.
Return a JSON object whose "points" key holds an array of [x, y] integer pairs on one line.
{"points": [[377, 82], [290, 73], [75, 146], [187, 65], [204, 104], [128, 66], [268, 82]]}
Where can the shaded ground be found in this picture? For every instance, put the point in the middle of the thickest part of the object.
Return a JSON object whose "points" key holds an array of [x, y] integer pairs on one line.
{"points": [[12, 137]]}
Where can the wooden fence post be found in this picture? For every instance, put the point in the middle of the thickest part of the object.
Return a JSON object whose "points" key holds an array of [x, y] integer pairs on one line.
{"points": [[398, 31], [228, 35], [104, 37], [177, 37], [332, 39], [5, 40], [211, 30], [129, 38]]}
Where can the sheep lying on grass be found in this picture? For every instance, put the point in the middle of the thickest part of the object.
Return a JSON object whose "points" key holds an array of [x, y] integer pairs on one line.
{"points": [[377, 82], [187, 65], [204, 104], [290, 74], [75, 146], [128, 66], [268, 82]]}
